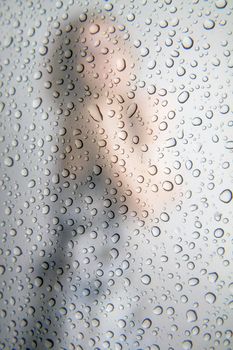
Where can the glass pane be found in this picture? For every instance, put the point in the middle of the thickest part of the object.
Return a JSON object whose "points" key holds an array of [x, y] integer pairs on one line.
{"points": [[116, 175]]}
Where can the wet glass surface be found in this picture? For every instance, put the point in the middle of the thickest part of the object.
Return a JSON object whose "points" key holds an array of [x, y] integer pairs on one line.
{"points": [[116, 175]]}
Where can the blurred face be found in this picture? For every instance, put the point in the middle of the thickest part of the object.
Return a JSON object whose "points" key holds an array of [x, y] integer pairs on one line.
{"points": [[123, 117]]}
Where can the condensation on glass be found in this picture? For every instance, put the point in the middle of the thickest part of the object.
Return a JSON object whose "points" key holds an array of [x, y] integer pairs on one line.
{"points": [[116, 175]]}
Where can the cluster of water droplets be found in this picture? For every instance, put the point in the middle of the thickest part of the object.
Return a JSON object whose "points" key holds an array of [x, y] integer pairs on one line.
{"points": [[116, 188]]}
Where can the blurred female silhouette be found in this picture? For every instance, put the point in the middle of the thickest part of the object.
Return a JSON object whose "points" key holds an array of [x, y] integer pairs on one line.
{"points": [[105, 187]]}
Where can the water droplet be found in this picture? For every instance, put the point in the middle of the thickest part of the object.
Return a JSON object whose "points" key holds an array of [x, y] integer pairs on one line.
{"points": [[187, 42], [78, 143], [152, 170], [155, 231], [8, 161], [94, 28], [146, 279], [121, 64], [218, 233], [131, 110], [158, 310], [2, 270], [80, 68], [210, 298], [2, 106], [36, 102], [220, 4], [191, 316], [209, 24], [95, 113], [146, 323], [183, 96], [8, 41], [226, 196], [38, 281], [187, 345]]}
